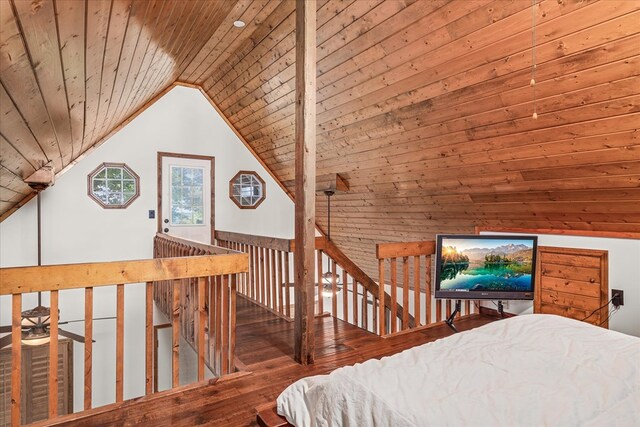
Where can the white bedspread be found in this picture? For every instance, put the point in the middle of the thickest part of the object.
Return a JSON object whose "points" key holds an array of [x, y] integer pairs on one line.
{"points": [[534, 370]]}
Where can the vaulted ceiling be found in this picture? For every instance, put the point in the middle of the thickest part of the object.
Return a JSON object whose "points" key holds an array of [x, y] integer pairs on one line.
{"points": [[425, 107]]}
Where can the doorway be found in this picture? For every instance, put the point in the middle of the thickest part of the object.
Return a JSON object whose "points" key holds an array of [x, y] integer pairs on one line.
{"points": [[186, 196]]}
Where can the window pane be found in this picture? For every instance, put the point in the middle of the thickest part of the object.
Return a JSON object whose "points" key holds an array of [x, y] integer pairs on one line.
{"points": [[114, 186], [197, 197], [129, 186], [198, 175], [187, 176], [176, 195], [114, 173], [127, 197], [114, 199], [186, 197], [176, 176], [198, 216], [102, 174], [246, 192], [126, 175]]}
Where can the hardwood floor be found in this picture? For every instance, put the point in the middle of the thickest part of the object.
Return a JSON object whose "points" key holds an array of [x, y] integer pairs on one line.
{"points": [[265, 348]]}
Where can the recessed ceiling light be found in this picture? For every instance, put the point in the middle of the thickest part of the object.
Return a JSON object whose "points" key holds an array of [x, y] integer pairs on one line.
{"points": [[239, 24]]}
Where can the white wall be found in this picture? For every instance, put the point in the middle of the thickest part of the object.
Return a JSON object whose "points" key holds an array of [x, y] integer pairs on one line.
{"points": [[76, 229], [624, 274]]}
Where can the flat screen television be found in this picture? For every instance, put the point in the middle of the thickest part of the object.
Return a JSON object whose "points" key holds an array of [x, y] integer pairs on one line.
{"points": [[485, 267]]}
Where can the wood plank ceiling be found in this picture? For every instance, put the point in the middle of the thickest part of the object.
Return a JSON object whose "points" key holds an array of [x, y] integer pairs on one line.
{"points": [[424, 106]]}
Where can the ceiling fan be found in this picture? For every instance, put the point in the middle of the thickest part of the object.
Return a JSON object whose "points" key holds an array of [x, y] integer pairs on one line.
{"points": [[36, 321], [35, 328]]}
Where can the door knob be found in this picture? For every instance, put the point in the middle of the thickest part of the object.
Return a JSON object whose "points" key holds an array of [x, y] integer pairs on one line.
{"points": [[166, 230], [166, 221]]}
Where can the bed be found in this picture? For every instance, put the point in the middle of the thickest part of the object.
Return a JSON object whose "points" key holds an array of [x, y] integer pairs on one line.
{"points": [[530, 370]]}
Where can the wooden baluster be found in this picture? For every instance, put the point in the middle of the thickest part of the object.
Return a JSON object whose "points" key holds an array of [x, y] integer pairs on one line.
{"points": [[280, 283], [218, 325], [405, 293], [354, 302], [245, 276], [53, 355], [175, 324], [364, 309], [376, 310], [225, 324], [345, 294], [252, 272], [416, 289], [119, 343], [427, 290], [261, 276], [202, 318], [438, 310], [394, 295], [88, 346], [212, 321], [467, 307], [148, 337], [232, 325], [448, 308], [16, 359], [320, 283], [287, 284], [334, 289], [267, 283], [383, 328], [274, 284]]}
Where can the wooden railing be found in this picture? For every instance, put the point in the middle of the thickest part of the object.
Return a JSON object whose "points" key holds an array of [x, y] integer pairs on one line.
{"points": [[205, 270], [348, 293], [406, 269], [269, 281], [218, 299]]}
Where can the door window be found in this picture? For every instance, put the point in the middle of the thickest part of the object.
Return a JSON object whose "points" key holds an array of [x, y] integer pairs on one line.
{"points": [[187, 195]]}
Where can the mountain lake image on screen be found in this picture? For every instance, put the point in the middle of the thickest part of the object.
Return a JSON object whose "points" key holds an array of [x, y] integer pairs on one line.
{"points": [[486, 265]]}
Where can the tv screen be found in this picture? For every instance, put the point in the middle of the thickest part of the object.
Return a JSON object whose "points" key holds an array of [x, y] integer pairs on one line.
{"points": [[485, 267]]}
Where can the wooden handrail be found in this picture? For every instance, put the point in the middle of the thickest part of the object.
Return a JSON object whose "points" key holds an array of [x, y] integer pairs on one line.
{"points": [[207, 249], [18, 280], [274, 243], [402, 249]]}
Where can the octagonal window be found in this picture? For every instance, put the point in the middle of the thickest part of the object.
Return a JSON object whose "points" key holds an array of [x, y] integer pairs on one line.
{"points": [[113, 185], [247, 190]]}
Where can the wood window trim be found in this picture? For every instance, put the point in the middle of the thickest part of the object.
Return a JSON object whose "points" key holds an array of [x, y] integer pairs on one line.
{"points": [[105, 165], [163, 154], [259, 178]]}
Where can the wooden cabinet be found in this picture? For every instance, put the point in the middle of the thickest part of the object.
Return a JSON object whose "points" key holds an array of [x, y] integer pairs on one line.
{"points": [[572, 283], [35, 391]]}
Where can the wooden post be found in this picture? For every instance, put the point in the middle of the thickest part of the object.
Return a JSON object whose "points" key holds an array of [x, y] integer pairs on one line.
{"points": [[53, 355], [16, 358], [305, 180]]}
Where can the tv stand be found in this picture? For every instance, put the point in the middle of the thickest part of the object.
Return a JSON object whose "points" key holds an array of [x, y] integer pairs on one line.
{"points": [[500, 309], [450, 319]]}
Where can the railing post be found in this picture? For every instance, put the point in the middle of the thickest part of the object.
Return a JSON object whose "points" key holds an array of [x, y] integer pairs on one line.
{"points": [[16, 359], [53, 355]]}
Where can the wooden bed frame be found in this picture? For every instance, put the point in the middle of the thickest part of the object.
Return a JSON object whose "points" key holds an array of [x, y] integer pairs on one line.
{"points": [[570, 282]]}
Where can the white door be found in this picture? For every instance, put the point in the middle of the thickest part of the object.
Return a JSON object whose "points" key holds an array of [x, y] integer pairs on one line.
{"points": [[186, 198]]}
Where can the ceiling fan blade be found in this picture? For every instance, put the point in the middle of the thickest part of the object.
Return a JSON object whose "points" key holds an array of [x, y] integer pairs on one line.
{"points": [[4, 329], [5, 341], [71, 335], [82, 320]]}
